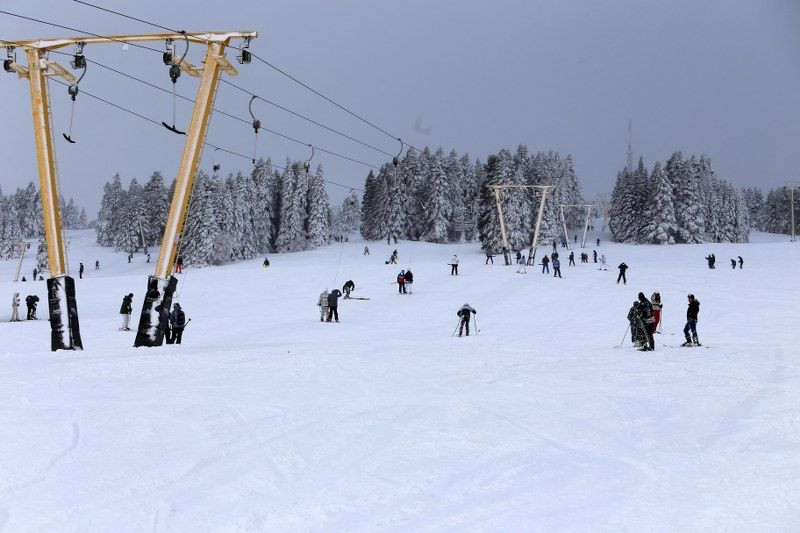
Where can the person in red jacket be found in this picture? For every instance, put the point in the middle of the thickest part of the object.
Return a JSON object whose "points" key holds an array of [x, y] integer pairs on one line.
{"points": [[655, 299], [401, 282]]}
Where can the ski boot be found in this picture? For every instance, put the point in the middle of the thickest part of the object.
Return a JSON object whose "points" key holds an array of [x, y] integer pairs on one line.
{"points": [[696, 341], [688, 341]]}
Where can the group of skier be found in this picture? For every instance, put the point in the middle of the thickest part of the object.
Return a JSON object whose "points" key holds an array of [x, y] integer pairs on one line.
{"points": [[172, 323], [31, 301], [644, 317]]}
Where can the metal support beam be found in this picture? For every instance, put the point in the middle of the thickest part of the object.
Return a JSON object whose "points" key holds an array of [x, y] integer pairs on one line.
{"points": [[506, 249], [150, 331], [564, 225], [65, 332], [791, 211], [535, 242], [22, 247], [586, 227]]}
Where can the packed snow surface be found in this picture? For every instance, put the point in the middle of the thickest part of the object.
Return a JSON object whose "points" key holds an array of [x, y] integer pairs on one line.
{"points": [[266, 419]]}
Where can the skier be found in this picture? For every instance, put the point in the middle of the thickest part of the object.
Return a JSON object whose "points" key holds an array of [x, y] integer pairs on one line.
{"points": [[401, 282], [646, 311], [347, 287], [80, 271], [545, 264], [711, 260], [464, 314], [594, 253], [572, 259], [741, 262], [30, 302], [333, 305], [97, 264], [489, 258], [392, 258], [519, 256], [523, 268], [366, 250], [733, 264], [130, 257], [454, 266], [691, 322], [409, 280], [23, 279], [265, 264], [598, 242], [35, 272], [125, 310], [655, 299], [179, 265], [556, 267], [603, 263], [148, 258], [554, 246], [622, 268], [163, 322], [637, 327], [322, 302], [15, 307], [177, 321]]}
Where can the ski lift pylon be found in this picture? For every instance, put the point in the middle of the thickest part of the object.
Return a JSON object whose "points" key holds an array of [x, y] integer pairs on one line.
{"points": [[174, 73]]}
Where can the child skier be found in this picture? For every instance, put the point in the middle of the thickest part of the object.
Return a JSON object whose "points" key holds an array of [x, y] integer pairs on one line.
{"points": [[655, 299], [15, 307], [465, 313]]}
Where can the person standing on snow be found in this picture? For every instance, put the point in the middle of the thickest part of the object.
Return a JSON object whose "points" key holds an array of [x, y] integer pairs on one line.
{"points": [[35, 272], [594, 252], [322, 302], [637, 326], [741, 262], [598, 242], [655, 299], [15, 307], [409, 280], [691, 322], [556, 267], [489, 258], [646, 310], [366, 250], [177, 321], [163, 321], [454, 266], [179, 265], [30, 302], [465, 314], [125, 310], [711, 260], [265, 264], [347, 288], [97, 264], [401, 282], [545, 264], [333, 305], [571, 259], [622, 268], [733, 264], [80, 271]]}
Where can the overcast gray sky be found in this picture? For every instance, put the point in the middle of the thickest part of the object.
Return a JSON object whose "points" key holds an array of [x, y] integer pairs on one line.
{"points": [[720, 77]]}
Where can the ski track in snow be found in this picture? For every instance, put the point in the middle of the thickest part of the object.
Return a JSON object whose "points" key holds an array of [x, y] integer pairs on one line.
{"points": [[267, 420]]}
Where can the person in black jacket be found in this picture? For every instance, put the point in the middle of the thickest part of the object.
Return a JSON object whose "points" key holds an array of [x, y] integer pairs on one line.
{"points": [[347, 287], [80, 271], [177, 321], [646, 312], [711, 260], [30, 302], [691, 321], [125, 310], [409, 280], [638, 336], [163, 322], [622, 268], [333, 305], [741, 262], [465, 313], [572, 258], [594, 253], [545, 264]]}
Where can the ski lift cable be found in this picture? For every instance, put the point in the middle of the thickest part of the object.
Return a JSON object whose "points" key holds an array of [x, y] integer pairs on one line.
{"points": [[210, 145], [262, 60], [220, 111], [175, 95]]}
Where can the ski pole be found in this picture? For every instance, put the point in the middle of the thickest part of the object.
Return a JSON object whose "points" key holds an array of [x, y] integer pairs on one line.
{"points": [[454, 331], [626, 334], [475, 319]]}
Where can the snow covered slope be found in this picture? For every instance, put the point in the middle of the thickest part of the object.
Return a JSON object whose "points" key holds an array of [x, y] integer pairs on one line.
{"points": [[266, 419]]}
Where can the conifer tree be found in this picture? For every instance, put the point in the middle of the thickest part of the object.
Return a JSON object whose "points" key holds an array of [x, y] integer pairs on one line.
{"points": [[438, 205], [317, 209], [660, 215]]}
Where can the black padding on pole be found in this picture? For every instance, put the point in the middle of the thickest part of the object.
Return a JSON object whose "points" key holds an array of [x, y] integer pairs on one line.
{"points": [[65, 333], [158, 298]]}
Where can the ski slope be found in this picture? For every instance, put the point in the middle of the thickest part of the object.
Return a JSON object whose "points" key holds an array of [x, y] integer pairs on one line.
{"points": [[266, 419]]}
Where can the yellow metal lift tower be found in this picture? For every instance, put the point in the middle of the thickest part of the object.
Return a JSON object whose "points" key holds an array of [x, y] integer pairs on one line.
{"points": [[65, 331]]}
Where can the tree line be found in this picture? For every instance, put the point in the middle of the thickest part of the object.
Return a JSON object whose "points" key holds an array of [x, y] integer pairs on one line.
{"points": [[681, 201], [772, 213], [440, 198], [21, 218]]}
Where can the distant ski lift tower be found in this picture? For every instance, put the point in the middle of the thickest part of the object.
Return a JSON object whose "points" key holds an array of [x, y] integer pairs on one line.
{"points": [[793, 188], [629, 166]]}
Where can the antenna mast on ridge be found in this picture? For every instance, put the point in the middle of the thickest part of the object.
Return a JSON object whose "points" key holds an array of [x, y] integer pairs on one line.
{"points": [[629, 166]]}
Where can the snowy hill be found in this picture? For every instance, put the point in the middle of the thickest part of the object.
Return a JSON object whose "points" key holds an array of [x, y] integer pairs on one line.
{"points": [[267, 419]]}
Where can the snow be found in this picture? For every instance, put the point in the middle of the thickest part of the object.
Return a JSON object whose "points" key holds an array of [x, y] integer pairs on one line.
{"points": [[266, 419]]}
